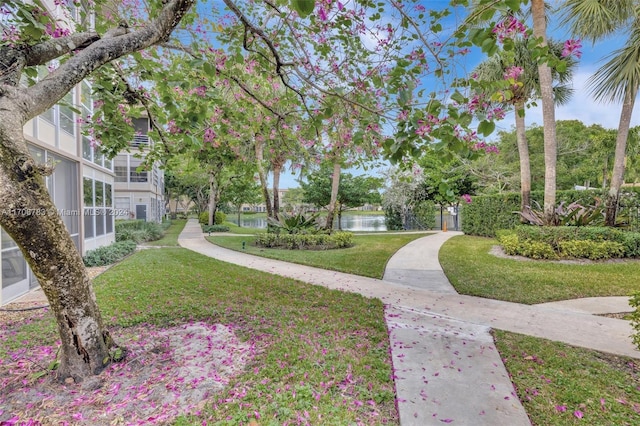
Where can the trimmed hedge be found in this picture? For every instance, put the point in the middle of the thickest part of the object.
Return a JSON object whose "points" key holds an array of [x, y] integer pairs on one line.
{"points": [[215, 228], [305, 241], [109, 254], [488, 213], [552, 242], [219, 218]]}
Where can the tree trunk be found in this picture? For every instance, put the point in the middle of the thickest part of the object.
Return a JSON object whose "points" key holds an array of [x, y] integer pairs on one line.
{"points": [[339, 217], [523, 155], [239, 207], [277, 169], [335, 184], [548, 116], [213, 198], [262, 174], [27, 212], [617, 177], [29, 216]]}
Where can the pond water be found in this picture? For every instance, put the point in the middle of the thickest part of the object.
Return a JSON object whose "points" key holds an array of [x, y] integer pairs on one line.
{"points": [[349, 222]]}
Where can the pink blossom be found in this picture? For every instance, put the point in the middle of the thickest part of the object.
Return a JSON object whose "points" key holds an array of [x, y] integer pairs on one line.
{"points": [[467, 198], [572, 47], [200, 91], [513, 73], [56, 32], [11, 35], [561, 408], [508, 28], [209, 135], [579, 414]]}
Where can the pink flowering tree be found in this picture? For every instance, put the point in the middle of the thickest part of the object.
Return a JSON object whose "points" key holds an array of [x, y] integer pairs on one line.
{"points": [[372, 57], [33, 37]]}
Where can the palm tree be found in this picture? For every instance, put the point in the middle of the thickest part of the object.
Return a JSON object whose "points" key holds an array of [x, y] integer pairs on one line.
{"points": [[619, 78], [548, 113], [527, 88]]}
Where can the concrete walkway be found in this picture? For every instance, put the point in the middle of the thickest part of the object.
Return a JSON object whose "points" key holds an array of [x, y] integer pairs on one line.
{"points": [[446, 365]]}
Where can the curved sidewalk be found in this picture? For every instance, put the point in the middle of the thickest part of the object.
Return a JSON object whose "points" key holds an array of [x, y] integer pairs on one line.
{"points": [[445, 362]]}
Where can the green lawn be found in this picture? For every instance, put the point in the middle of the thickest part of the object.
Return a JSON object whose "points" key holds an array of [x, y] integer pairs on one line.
{"points": [[558, 384], [235, 229], [318, 352], [474, 271], [368, 257], [170, 238]]}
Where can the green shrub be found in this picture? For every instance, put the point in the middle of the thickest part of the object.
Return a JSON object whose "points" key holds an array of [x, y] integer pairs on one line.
{"points": [[215, 228], [509, 242], [553, 235], [342, 239], [299, 223], [138, 231], [537, 250], [488, 213], [578, 242], [304, 241], [203, 218], [631, 242], [109, 254], [425, 212], [219, 219], [586, 249], [393, 219]]}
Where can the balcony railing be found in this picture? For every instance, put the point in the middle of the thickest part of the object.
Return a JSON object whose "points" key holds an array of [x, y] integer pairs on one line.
{"points": [[140, 140]]}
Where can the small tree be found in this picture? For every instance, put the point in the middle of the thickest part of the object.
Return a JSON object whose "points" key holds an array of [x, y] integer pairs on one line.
{"points": [[352, 191], [242, 189]]}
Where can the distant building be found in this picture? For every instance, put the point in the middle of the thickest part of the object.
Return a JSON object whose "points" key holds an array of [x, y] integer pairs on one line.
{"points": [[262, 207], [139, 194]]}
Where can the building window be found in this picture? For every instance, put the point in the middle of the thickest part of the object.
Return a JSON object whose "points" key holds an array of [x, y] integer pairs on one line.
{"points": [[98, 212], [141, 138], [87, 149], [121, 169], [135, 175], [49, 115], [138, 177], [67, 120]]}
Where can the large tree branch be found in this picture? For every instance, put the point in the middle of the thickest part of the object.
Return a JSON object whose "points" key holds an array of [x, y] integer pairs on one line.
{"points": [[54, 48], [113, 45]]}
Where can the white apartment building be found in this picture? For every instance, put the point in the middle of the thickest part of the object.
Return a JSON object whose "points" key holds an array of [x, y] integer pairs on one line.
{"points": [[82, 184]]}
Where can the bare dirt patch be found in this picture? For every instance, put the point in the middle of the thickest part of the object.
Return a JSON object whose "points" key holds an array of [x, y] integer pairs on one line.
{"points": [[168, 372]]}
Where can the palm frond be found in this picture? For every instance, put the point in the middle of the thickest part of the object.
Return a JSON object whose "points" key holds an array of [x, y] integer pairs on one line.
{"points": [[620, 73], [594, 19]]}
